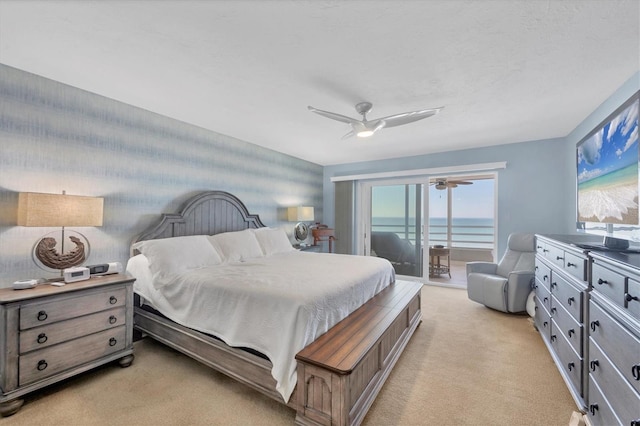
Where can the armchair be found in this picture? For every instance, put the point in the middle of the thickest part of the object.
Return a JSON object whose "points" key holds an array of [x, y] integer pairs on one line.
{"points": [[506, 285], [401, 253]]}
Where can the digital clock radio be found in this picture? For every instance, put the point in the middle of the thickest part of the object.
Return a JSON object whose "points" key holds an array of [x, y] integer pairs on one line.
{"points": [[78, 273]]}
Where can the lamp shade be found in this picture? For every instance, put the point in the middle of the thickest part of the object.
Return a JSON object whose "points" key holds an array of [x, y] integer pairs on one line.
{"points": [[300, 214], [37, 209]]}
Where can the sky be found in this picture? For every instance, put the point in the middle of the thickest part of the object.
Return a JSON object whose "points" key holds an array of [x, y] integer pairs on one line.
{"points": [[469, 201]]}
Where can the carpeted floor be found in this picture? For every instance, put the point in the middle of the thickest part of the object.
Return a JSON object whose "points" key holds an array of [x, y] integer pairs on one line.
{"points": [[465, 365]]}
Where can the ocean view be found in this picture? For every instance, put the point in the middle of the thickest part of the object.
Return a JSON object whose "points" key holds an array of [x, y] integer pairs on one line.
{"points": [[466, 232]]}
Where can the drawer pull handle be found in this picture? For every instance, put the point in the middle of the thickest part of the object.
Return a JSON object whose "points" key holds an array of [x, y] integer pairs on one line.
{"points": [[553, 311], [554, 284], [594, 364], [42, 338], [635, 422], [112, 319], [559, 258], [545, 300], [544, 324], [601, 281], [571, 300], [571, 331], [593, 408], [569, 264], [545, 277], [595, 324], [113, 300], [42, 364], [635, 370], [538, 246], [545, 250], [535, 308], [628, 297], [42, 315], [536, 268], [112, 341], [571, 366], [553, 338]]}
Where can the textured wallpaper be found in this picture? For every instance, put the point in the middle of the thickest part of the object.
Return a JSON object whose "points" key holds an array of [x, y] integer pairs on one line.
{"points": [[55, 137]]}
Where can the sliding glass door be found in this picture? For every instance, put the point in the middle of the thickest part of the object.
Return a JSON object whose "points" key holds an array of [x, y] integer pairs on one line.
{"points": [[395, 226]]}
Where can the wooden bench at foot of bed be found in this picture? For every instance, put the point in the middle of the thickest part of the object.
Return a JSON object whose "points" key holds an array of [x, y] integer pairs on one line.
{"points": [[340, 374]]}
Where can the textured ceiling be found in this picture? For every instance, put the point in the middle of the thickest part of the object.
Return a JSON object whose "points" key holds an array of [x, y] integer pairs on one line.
{"points": [[505, 70]]}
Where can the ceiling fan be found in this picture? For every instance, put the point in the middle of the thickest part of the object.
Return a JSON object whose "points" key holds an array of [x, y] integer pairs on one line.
{"points": [[444, 183], [365, 128]]}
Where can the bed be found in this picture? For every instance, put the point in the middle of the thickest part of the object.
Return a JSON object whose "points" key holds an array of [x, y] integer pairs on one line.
{"points": [[333, 370]]}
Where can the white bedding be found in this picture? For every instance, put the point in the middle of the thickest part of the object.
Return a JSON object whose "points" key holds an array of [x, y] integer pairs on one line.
{"points": [[276, 304]]}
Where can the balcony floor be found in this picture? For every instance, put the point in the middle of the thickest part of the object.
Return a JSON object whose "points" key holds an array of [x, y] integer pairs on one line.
{"points": [[458, 275]]}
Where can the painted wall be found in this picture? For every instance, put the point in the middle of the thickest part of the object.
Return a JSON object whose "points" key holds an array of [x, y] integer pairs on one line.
{"points": [[536, 191], [54, 137]]}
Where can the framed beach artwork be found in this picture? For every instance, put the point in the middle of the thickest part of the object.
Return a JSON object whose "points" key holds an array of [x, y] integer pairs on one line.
{"points": [[607, 169]]}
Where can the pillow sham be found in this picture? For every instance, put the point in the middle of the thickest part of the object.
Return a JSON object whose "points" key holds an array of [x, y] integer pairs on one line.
{"points": [[273, 241], [170, 256], [236, 246]]}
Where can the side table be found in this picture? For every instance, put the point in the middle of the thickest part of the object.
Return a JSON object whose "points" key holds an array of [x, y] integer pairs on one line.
{"points": [[436, 264]]}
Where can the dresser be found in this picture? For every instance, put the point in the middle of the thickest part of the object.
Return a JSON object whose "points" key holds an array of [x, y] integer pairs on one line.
{"points": [[614, 339], [588, 314], [50, 333], [561, 287]]}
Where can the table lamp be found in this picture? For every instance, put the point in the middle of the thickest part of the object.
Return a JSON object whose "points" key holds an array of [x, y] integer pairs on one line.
{"points": [[300, 215], [47, 210]]}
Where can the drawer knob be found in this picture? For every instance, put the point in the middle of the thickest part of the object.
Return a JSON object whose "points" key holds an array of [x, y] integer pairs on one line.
{"points": [[42, 338], [569, 264], [628, 297], [601, 281], [42, 364], [538, 246], [544, 324], [635, 422], [571, 332], [571, 366], [594, 325], [545, 250], [545, 300], [553, 337], [554, 284], [635, 370], [545, 277], [593, 408], [553, 311], [112, 341], [42, 315], [559, 258], [571, 300], [113, 300], [594, 364], [112, 319]]}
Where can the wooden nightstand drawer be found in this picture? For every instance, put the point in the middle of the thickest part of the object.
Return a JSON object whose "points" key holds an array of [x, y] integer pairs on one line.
{"points": [[40, 364], [52, 334], [38, 314]]}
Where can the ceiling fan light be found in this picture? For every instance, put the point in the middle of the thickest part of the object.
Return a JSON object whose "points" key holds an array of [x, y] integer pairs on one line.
{"points": [[365, 133]]}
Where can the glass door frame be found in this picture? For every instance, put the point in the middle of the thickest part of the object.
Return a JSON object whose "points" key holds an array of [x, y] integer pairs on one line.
{"points": [[363, 212]]}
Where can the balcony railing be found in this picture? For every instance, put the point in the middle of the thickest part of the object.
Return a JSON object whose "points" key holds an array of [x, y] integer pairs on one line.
{"points": [[461, 236]]}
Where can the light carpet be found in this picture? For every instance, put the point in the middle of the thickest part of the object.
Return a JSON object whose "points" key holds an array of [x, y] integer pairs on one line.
{"points": [[465, 365]]}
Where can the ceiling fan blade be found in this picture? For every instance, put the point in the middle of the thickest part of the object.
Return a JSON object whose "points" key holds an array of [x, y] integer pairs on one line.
{"points": [[409, 117], [461, 182], [333, 115], [348, 135]]}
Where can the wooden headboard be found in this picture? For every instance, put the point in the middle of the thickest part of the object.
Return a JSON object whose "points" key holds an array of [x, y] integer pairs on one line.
{"points": [[208, 213]]}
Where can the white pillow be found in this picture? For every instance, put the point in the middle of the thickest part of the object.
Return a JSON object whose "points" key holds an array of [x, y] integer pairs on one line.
{"points": [[273, 241], [170, 256], [236, 246]]}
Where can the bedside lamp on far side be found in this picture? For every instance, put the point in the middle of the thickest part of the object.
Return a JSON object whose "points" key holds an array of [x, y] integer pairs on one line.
{"points": [[49, 210], [300, 215]]}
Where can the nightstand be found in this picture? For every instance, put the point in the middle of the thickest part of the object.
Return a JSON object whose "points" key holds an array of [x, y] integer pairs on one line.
{"points": [[49, 333]]}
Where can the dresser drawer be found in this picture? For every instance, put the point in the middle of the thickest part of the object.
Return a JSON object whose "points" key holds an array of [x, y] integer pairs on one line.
{"points": [[622, 347], [570, 362], [568, 326], [542, 320], [569, 296], [608, 282], [555, 255], [66, 307], [38, 365], [543, 274], [599, 411], [632, 298], [52, 334], [543, 294], [575, 266], [624, 400]]}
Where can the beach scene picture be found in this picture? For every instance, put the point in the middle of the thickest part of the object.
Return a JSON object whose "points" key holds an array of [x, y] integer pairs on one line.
{"points": [[608, 171]]}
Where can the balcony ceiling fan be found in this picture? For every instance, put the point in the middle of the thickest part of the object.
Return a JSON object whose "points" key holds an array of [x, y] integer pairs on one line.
{"points": [[365, 128], [444, 183]]}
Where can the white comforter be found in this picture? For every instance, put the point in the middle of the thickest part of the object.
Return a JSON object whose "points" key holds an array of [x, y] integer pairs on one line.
{"points": [[276, 305]]}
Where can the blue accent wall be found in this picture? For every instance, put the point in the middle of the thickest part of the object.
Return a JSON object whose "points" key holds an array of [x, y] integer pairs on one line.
{"points": [[55, 137]]}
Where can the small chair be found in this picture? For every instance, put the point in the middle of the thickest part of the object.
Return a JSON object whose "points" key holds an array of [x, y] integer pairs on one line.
{"points": [[506, 285]]}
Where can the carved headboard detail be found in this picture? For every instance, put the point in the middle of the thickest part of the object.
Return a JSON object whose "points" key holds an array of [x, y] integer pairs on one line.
{"points": [[208, 213]]}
